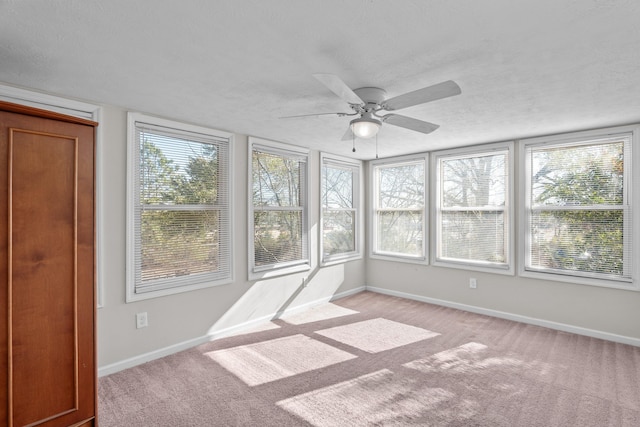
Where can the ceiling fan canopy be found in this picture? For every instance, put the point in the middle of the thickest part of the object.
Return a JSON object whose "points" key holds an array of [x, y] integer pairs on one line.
{"points": [[369, 102]]}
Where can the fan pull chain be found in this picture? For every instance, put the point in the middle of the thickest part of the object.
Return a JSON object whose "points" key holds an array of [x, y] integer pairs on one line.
{"points": [[376, 145], [353, 138]]}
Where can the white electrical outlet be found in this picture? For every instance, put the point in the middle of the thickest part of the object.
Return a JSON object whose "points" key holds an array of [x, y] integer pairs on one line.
{"points": [[141, 320], [472, 283]]}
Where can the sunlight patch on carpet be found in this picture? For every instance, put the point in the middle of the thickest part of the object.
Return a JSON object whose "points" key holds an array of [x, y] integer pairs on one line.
{"points": [[273, 360], [377, 335], [464, 359], [379, 398], [316, 314]]}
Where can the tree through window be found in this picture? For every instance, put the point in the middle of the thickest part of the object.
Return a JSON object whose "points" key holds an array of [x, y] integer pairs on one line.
{"points": [[472, 207], [279, 208], [180, 208], [340, 208], [579, 215], [399, 208]]}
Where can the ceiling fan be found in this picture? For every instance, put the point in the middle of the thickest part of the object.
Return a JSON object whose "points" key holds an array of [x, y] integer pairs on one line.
{"points": [[369, 102]]}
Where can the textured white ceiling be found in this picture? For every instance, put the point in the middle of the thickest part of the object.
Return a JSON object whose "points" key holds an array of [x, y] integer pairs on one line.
{"points": [[526, 68]]}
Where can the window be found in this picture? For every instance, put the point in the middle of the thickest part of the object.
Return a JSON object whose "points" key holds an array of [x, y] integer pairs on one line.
{"points": [[341, 213], [578, 212], [179, 227], [472, 205], [399, 211], [278, 209]]}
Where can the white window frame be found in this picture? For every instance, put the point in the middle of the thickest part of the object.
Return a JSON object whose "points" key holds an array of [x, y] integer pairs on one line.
{"points": [[85, 111], [631, 199], [273, 270], [133, 188], [436, 191], [374, 253], [356, 167]]}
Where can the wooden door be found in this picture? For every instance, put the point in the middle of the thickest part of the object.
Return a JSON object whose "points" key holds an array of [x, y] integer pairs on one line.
{"points": [[47, 297]]}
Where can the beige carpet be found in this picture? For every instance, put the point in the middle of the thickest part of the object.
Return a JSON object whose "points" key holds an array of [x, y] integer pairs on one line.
{"points": [[375, 360]]}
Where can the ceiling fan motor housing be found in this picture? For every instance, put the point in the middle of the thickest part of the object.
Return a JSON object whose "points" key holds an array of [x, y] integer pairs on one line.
{"points": [[372, 96]]}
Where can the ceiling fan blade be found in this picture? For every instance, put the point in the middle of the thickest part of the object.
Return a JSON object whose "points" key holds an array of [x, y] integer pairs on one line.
{"points": [[410, 123], [337, 86], [421, 96], [314, 115]]}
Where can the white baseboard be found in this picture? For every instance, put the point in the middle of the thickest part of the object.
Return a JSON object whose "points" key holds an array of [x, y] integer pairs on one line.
{"points": [[510, 316], [185, 345], [348, 293], [148, 357]]}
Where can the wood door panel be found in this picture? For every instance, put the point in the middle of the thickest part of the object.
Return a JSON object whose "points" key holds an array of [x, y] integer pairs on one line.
{"points": [[43, 283], [47, 270]]}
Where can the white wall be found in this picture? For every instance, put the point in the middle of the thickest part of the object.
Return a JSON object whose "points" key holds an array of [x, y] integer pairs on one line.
{"points": [[185, 319]]}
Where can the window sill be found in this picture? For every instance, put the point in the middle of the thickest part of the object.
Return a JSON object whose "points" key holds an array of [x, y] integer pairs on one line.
{"points": [[400, 258], [495, 269], [134, 297], [276, 272], [576, 280]]}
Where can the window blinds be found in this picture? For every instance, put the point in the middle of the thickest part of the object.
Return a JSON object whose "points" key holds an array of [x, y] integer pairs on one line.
{"points": [[182, 208], [472, 214], [400, 200], [279, 206], [339, 209], [578, 208]]}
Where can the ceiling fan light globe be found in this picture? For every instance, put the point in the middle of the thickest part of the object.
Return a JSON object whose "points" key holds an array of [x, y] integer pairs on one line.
{"points": [[365, 128]]}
